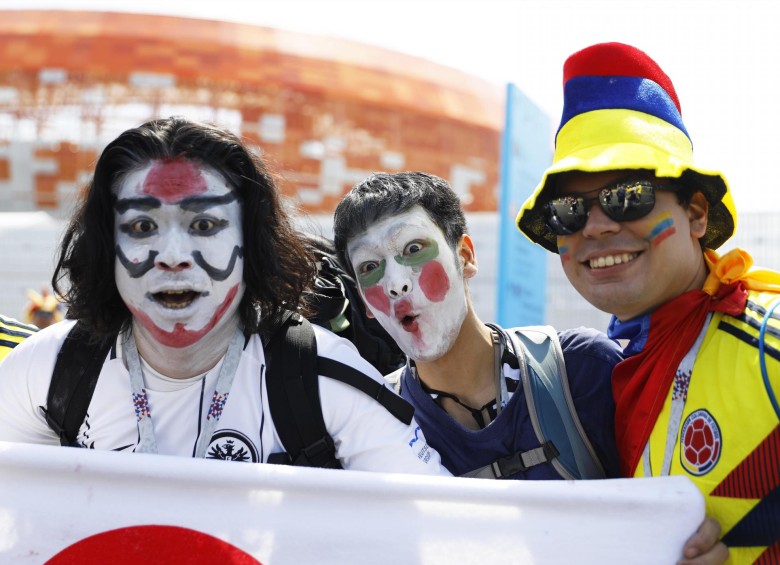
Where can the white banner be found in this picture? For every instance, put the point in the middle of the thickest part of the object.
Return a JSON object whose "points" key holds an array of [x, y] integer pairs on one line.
{"points": [[82, 506]]}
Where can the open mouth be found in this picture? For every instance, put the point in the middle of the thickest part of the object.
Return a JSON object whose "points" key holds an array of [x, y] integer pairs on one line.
{"points": [[404, 313], [407, 322], [175, 299]]}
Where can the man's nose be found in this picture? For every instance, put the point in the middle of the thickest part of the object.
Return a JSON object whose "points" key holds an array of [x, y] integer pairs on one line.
{"points": [[398, 280], [173, 256], [598, 223]]}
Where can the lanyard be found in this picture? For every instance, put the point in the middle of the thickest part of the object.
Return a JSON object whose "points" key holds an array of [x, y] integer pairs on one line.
{"points": [[490, 411], [682, 380], [143, 412]]}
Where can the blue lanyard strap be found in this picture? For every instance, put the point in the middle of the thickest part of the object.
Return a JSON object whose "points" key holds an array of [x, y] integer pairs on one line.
{"points": [[762, 359]]}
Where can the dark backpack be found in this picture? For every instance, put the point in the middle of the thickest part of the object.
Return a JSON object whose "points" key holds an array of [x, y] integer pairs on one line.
{"points": [[338, 307], [293, 390]]}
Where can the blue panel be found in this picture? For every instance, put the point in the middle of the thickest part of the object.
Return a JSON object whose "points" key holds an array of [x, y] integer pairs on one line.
{"points": [[525, 154]]}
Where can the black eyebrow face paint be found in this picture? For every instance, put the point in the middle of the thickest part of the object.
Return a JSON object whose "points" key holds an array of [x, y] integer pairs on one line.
{"points": [[136, 270], [144, 203], [219, 274], [200, 203]]}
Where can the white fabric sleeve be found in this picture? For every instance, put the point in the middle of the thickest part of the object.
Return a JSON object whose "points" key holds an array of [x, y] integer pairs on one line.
{"points": [[25, 375], [367, 436]]}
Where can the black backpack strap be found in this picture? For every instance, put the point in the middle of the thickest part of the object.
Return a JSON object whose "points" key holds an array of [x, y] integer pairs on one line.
{"points": [[292, 380], [73, 381], [294, 396], [394, 404]]}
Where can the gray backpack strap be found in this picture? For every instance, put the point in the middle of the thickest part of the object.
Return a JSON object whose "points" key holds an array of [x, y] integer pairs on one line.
{"points": [[515, 463], [550, 405]]}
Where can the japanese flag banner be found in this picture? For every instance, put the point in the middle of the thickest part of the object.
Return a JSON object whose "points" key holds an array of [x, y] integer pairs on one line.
{"points": [[77, 506]]}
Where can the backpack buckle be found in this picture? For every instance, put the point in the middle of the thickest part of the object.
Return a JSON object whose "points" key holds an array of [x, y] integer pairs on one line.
{"points": [[321, 453]]}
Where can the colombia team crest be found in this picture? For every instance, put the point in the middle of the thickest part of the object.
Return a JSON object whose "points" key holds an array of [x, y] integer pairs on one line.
{"points": [[700, 443]]}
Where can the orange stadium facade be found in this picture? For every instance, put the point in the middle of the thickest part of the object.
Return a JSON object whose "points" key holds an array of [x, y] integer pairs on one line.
{"points": [[324, 112]]}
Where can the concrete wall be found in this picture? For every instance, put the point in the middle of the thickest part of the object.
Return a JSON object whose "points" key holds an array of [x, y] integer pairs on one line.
{"points": [[27, 245]]}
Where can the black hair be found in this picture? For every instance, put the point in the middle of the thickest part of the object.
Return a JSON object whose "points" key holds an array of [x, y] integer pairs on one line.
{"points": [[277, 265], [384, 194]]}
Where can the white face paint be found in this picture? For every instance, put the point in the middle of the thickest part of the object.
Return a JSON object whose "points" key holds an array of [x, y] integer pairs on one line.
{"points": [[179, 250], [412, 282]]}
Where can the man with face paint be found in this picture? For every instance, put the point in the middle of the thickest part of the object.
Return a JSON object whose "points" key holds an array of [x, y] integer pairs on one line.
{"points": [[179, 254], [636, 225], [405, 237]]}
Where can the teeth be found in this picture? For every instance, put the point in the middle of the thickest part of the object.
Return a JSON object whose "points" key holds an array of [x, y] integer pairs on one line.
{"points": [[611, 260], [177, 291], [175, 299], [175, 306]]}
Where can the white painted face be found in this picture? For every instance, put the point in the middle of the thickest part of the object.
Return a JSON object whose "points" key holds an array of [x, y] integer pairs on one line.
{"points": [[179, 250], [412, 282]]}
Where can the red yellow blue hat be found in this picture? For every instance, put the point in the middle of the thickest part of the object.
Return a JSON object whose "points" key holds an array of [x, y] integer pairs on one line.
{"points": [[620, 111]]}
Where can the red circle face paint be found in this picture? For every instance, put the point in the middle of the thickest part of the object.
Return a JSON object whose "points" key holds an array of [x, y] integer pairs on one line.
{"points": [[434, 281], [147, 544], [376, 297], [170, 181]]}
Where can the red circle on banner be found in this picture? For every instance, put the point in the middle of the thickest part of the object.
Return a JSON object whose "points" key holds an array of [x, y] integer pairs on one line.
{"points": [[152, 544]]}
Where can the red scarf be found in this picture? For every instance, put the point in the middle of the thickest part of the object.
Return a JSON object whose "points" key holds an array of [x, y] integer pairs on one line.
{"points": [[641, 383]]}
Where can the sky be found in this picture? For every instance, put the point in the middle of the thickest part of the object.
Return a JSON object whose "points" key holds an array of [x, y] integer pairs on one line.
{"points": [[720, 55]]}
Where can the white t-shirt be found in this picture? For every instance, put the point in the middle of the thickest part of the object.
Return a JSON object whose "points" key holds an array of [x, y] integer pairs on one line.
{"points": [[366, 435]]}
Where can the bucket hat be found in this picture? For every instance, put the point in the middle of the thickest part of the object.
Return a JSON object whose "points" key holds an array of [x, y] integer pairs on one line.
{"points": [[621, 111]]}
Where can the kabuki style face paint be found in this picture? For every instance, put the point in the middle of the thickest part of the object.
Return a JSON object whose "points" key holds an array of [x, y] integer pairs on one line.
{"points": [[412, 282], [179, 250]]}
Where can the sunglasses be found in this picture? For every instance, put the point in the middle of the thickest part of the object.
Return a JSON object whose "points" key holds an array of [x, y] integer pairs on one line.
{"points": [[622, 202]]}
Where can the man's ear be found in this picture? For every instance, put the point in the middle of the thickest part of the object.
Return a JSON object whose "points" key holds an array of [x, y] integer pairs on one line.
{"points": [[697, 214], [467, 256]]}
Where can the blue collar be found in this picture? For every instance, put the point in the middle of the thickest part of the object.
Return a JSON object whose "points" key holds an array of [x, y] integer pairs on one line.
{"points": [[635, 330]]}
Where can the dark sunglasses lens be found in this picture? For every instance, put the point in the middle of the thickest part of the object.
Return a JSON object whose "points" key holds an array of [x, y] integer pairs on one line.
{"points": [[627, 202], [566, 215]]}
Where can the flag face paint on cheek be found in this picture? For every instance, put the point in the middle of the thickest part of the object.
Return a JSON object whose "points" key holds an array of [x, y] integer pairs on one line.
{"points": [[563, 251], [663, 228]]}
